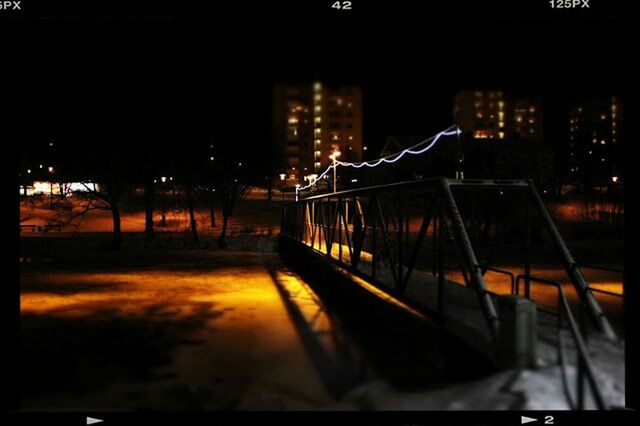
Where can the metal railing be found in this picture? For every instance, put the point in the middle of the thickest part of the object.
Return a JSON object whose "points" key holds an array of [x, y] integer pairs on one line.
{"points": [[367, 232], [606, 269], [370, 227], [485, 268], [584, 364]]}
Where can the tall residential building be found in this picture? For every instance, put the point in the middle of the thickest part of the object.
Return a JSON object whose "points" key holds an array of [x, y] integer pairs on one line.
{"points": [[481, 114], [595, 140], [502, 137], [490, 114], [311, 121]]}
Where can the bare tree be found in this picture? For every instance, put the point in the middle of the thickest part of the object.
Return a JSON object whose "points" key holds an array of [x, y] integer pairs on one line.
{"points": [[231, 193], [104, 196]]}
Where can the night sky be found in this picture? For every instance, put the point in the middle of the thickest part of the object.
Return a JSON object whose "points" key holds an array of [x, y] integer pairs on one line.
{"points": [[198, 81]]}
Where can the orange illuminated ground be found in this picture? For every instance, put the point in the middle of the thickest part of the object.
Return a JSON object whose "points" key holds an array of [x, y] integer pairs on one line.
{"points": [[175, 336]]}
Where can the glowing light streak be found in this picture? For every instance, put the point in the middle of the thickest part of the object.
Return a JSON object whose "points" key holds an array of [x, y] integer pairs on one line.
{"points": [[413, 150]]}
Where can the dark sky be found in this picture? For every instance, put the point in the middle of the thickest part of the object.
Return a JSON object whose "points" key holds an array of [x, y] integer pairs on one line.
{"points": [[210, 80]]}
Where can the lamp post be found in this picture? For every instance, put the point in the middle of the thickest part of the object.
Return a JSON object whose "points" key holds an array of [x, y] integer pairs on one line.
{"points": [[50, 186], [297, 189], [282, 176], [333, 157]]}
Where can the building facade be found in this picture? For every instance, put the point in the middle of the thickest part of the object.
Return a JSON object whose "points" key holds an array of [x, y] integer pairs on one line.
{"points": [[490, 114], [502, 137], [312, 121], [595, 141]]}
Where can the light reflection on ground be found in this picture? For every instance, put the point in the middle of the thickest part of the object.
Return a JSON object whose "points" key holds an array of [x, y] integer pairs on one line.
{"points": [[229, 341], [545, 297]]}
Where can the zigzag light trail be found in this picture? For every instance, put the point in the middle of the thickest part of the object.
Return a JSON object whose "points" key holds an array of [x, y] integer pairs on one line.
{"points": [[431, 142]]}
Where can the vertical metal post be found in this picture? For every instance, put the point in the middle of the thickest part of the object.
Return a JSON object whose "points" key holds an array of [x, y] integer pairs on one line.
{"points": [[435, 235], [338, 216], [580, 363], [374, 251], [527, 249], [441, 261], [400, 237]]}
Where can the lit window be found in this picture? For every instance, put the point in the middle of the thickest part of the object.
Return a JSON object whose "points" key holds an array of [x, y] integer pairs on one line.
{"points": [[317, 120], [501, 104], [481, 134], [478, 94], [339, 101], [317, 142], [316, 165], [479, 114], [350, 138], [317, 97], [501, 135], [590, 152], [603, 159], [317, 132], [531, 120], [349, 104], [519, 119], [531, 131], [603, 116], [317, 109], [603, 142], [293, 120], [317, 153], [501, 124], [594, 140], [501, 116], [477, 104], [317, 86], [532, 109]]}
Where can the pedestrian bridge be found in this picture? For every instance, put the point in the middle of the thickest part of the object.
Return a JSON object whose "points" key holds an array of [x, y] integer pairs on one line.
{"points": [[474, 256]]}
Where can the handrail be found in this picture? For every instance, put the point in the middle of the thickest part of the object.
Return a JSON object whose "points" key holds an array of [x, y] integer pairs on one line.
{"points": [[601, 268], [575, 274], [598, 267], [499, 271], [584, 362]]}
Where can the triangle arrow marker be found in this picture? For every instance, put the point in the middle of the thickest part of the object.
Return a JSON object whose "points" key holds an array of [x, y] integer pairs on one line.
{"points": [[91, 420], [525, 419]]}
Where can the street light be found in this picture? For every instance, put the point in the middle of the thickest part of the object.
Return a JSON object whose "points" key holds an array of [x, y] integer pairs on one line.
{"points": [[282, 176], [51, 187], [333, 157]]}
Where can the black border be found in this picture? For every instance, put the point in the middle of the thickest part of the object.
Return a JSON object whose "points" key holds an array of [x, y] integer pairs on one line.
{"points": [[202, 9], [199, 8]]}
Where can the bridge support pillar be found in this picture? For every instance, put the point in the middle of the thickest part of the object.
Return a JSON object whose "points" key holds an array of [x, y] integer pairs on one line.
{"points": [[518, 332]]}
